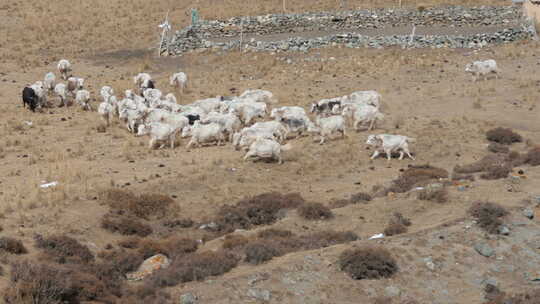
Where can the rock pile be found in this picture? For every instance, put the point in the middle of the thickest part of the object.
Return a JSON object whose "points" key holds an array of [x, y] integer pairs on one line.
{"points": [[204, 34]]}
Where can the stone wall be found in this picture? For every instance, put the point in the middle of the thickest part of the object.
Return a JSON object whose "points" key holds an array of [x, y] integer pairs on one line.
{"points": [[225, 34]]}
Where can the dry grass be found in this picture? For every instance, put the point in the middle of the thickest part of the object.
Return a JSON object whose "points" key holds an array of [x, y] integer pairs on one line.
{"points": [[11, 245], [315, 211], [397, 225], [64, 249], [488, 215], [368, 263], [416, 176], [503, 136]]}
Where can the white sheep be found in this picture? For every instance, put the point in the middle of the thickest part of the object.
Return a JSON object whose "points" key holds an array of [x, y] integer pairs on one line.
{"points": [[205, 133], [143, 81], [288, 112], [361, 114], [74, 84], [229, 122], [388, 143], [105, 110], [179, 81], [251, 111], [326, 106], [159, 132], [328, 125], [279, 131], [266, 149], [61, 90], [259, 96], [106, 92], [482, 68], [171, 98], [39, 89], [64, 67], [49, 82], [83, 98], [247, 136], [362, 98]]}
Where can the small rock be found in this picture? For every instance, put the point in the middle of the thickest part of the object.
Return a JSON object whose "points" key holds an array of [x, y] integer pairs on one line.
{"points": [[259, 294], [484, 249], [503, 230], [149, 265], [429, 263], [528, 213], [188, 298], [392, 291]]}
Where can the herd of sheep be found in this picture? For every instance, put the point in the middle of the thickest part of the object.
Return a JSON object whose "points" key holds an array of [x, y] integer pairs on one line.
{"points": [[145, 111]]}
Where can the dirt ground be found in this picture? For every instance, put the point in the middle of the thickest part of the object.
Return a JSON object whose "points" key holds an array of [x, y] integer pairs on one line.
{"points": [[426, 95]]}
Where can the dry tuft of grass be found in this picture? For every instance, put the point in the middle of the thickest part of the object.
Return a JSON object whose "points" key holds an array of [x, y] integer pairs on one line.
{"points": [[146, 206], [498, 148], [11, 245], [315, 211], [194, 267], [439, 195], [63, 249], [397, 225], [259, 210], [125, 225], [368, 263], [416, 176], [488, 215], [503, 136]]}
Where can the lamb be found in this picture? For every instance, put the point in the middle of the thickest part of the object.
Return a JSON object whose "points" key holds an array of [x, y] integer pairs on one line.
{"points": [[143, 81], [390, 143], [363, 114], [159, 132], [266, 149], [247, 136], [133, 117], [106, 92], [372, 98], [171, 98], [74, 84], [205, 133], [279, 131], [61, 90], [83, 98], [179, 81], [295, 125], [288, 112], [229, 122], [482, 68], [64, 67], [327, 126], [259, 96], [326, 106], [39, 89], [49, 82], [105, 110], [208, 105], [30, 98], [251, 111]]}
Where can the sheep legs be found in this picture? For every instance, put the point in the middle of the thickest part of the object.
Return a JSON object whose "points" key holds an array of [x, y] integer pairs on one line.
{"points": [[375, 154]]}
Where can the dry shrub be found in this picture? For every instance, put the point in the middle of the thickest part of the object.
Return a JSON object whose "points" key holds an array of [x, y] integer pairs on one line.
{"points": [[145, 206], [488, 215], [481, 165], [324, 239], [260, 251], [533, 157], [315, 211], [182, 223], [64, 249], [397, 225], [118, 263], [498, 148], [496, 172], [125, 225], [145, 294], [11, 245], [439, 195], [368, 263], [273, 233], [458, 176], [530, 297], [39, 283], [172, 247], [262, 209], [503, 136], [360, 197], [194, 267], [232, 242], [129, 243], [416, 175]]}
